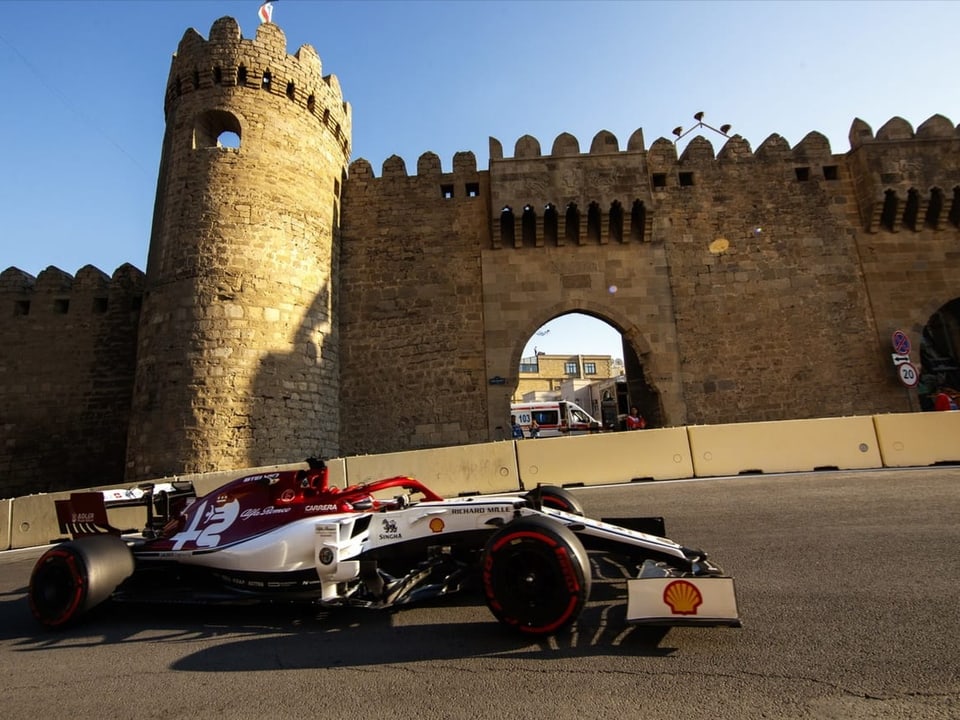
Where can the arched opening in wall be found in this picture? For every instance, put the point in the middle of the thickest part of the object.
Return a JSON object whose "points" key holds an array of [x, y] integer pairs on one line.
{"points": [[888, 218], [912, 209], [616, 222], [506, 226], [216, 128], [932, 219], [550, 219], [593, 223], [528, 224], [584, 359], [955, 207], [940, 353]]}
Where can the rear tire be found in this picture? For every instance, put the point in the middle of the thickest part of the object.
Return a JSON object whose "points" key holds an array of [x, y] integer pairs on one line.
{"points": [[536, 576], [74, 577]]}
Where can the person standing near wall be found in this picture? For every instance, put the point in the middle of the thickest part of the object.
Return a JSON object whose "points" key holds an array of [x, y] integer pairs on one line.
{"points": [[635, 420]]}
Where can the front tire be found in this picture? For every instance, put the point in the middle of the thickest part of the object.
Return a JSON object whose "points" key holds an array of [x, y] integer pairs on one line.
{"points": [[555, 497], [536, 576]]}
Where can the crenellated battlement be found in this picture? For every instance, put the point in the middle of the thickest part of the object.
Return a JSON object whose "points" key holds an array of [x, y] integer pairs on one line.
{"points": [[54, 290], [229, 61]]}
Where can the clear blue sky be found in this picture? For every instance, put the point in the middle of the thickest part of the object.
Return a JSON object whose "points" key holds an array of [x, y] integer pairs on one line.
{"points": [[81, 118]]}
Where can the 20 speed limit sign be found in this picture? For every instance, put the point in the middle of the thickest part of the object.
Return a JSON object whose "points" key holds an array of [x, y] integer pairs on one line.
{"points": [[908, 374]]}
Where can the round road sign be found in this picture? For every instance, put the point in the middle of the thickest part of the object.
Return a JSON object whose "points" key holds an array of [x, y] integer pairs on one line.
{"points": [[908, 374], [901, 343]]}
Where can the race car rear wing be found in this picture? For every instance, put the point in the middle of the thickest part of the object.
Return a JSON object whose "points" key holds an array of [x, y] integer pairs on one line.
{"points": [[85, 513]]}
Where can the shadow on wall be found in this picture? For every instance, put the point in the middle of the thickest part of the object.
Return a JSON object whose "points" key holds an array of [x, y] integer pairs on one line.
{"points": [[293, 410]]}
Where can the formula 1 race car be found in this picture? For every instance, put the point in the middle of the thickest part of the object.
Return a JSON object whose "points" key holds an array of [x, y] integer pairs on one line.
{"points": [[290, 536]]}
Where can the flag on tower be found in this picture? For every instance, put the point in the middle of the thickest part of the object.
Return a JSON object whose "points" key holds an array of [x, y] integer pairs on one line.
{"points": [[266, 12]]}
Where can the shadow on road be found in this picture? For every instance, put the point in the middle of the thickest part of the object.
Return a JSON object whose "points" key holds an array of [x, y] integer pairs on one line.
{"points": [[265, 637]]}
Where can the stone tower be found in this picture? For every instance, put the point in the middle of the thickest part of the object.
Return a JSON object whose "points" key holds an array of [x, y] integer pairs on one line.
{"points": [[237, 357]]}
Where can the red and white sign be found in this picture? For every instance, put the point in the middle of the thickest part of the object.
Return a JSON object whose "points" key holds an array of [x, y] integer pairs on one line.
{"points": [[909, 375]]}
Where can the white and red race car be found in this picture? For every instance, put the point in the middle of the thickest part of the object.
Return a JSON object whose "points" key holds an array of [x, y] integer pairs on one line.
{"points": [[292, 537]]}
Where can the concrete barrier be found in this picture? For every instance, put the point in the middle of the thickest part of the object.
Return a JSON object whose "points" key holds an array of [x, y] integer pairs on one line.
{"points": [[784, 446], [33, 520], [604, 459], [205, 483], [449, 472], [917, 439], [6, 507]]}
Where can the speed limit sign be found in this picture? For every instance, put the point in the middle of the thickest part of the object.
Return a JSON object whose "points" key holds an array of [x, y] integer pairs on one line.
{"points": [[908, 374]]}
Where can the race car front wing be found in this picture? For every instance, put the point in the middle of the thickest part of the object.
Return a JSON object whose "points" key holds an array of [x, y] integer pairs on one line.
{"points": [[662, 596]]}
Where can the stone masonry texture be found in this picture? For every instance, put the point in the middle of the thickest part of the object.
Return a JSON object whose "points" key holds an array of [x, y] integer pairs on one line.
{"points": [[295, 303]]}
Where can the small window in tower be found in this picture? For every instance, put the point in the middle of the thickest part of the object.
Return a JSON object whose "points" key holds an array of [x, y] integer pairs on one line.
{"points": [[266, 80], [291, 90], [242, 75], [61, 306], [686, 179], [217, 129], [446, 191], [311, 103], [473, 189], [196, 79], [659, 180], [217, 76], [21, 307], [99, 305], [136, 303], [326, 116], [803, 173], [830, 172], [336, 188]]}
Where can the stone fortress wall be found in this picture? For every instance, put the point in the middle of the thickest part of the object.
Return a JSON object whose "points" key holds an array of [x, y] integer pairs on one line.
{"points": [[293, 307]]}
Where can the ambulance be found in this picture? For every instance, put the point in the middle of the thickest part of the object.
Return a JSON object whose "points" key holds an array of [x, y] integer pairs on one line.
{"points": [[556, 418]]}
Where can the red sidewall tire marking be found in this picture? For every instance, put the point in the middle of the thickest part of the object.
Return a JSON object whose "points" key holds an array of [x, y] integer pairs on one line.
{"points": [[78, 591]]}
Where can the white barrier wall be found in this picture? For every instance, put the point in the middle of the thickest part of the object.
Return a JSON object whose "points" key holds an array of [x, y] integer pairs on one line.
{"points": [[898, 440], [911, 439], [784, 446], [6, 508], [605, 458], [451, 471]]}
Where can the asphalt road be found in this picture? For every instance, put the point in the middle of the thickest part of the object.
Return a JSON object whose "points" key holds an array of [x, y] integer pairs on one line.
{"points": [[849, 588]]}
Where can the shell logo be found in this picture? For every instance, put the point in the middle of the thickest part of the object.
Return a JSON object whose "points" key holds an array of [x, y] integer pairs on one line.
{"points": [[436, 525], [683, 597]]}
